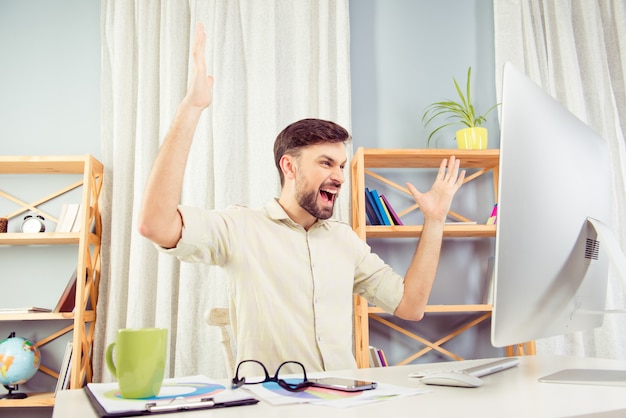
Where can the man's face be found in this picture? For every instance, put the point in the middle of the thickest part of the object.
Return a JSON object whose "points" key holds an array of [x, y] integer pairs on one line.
{"points": [[319, 176]]}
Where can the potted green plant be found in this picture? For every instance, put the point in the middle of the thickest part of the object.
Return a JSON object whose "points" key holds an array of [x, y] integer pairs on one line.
{"points": [[462, 112]]}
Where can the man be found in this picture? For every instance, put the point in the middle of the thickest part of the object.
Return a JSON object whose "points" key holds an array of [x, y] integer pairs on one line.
{"points": [[292, 271]]}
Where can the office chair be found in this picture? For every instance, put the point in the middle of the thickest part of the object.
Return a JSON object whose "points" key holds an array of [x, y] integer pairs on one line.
{"points": [[220, 317]]}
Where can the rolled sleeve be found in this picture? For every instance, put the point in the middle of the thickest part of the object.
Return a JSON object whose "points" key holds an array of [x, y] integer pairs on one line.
{"points": [[201, 233]]}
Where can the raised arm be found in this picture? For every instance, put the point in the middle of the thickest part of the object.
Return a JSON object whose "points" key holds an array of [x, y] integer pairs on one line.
{"points": [[159, 219], [434, 205]]}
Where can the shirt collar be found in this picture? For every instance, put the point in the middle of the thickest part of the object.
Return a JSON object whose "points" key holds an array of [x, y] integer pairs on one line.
{"points": [[276, 211]]}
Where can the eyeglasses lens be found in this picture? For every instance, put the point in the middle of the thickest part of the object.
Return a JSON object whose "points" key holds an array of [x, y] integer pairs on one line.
{"points": [[292, 376], [253, 372]]}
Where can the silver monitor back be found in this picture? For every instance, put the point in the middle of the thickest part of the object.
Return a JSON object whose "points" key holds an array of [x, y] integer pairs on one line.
{"points": [[550, 272]]}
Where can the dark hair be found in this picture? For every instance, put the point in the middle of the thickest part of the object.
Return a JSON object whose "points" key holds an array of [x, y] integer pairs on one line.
{"points": [[303, 133]]}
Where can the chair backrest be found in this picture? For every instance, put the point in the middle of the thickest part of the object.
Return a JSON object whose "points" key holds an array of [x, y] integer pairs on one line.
{"points": [[220, 317]]}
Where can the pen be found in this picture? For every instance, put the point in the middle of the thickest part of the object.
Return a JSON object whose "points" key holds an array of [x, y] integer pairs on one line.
{"points": [[180, 406]]}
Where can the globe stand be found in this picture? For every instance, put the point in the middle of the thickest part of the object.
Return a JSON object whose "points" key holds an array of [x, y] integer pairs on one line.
{"points": [[12, 395]]}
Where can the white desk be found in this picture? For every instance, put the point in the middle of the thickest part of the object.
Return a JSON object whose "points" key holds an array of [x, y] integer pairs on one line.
{"points": [[511, 393]]}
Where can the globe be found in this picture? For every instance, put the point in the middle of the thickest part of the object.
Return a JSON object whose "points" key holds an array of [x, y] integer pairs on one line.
{"points": [[19, 360]]}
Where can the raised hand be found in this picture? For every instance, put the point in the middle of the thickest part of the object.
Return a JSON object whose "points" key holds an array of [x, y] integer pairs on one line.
{"points": [[435, 203], [200, 89]]}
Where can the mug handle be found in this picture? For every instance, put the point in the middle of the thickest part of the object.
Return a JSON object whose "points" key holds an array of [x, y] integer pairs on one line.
{"points": [[109, 360]]}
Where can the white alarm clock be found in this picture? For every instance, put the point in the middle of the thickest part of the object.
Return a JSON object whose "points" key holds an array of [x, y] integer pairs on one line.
{"points": [[33, 224]]}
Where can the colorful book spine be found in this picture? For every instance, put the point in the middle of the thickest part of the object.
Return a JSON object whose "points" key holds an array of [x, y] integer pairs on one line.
{"points": [[494, 215], [383, 359], [370, 210], [392, 213], [381, 210], [386, 209], [372, 199], [374, 358]]}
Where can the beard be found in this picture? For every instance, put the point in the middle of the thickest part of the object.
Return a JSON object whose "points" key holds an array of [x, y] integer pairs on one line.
{"points": [[308, 201]]}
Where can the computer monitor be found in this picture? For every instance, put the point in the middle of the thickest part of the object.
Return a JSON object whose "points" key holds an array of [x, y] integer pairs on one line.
{"points": [[554, 203]]}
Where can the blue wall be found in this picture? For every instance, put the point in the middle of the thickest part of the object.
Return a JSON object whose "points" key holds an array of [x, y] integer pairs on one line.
{"points": [[50, 77], [404, 55]]}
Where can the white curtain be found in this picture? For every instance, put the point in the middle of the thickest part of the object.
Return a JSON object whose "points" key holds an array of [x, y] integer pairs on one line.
{"points": [[274, 62], [575, 51]]}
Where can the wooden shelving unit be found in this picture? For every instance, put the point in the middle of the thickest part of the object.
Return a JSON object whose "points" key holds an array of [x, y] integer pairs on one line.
{"points": [[479, 162], [87, 241]]}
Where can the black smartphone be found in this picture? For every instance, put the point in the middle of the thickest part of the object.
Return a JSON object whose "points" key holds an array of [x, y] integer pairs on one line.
{"points": [[342, 383]]}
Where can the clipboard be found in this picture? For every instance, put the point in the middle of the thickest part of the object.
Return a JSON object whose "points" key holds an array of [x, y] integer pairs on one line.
{"points": [[105, 401]]}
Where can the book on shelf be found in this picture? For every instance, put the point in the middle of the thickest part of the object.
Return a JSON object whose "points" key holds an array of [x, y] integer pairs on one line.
{"points": [[385, 220], [383, 359], [68, 372], [374, 359], [63, 381], [69, 211], [377, 357], [61, 219], [494, 215], [78, 220], [68, 297], [394, 216], [24, 309], [370, 210], [369, 201], [385, 209], [378, 209]]}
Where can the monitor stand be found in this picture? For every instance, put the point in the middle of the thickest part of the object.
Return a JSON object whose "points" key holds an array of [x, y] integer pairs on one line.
{"points": [[602, 377]]}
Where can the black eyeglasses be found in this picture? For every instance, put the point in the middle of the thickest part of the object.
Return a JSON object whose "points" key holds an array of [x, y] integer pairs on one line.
{"points": [[295, 383]]}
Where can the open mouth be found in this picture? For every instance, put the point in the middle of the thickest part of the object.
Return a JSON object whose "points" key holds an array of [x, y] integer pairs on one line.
{"points": [[328, 196]]}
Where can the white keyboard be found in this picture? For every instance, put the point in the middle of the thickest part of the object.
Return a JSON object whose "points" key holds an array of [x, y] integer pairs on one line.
{"points": [[477, 367]]}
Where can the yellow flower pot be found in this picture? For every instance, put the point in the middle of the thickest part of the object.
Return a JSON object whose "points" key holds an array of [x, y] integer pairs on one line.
{"points": [[472, 138]]}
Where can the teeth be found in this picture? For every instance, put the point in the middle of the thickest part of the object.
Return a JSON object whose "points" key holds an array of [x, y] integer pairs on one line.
{"points": [[330, 191]]}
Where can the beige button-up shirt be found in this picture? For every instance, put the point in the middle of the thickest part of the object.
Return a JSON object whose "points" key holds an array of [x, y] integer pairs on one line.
{"points": [[290, 289]]}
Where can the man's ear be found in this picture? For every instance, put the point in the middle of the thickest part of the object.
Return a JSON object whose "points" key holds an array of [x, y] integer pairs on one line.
{"points": [[288, 165]]}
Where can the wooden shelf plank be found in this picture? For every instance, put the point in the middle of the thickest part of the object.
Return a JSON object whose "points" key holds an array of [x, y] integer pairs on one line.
{"points": [[41, 238], [428, 158], [44, 238], [89, 316], [68, 164], [443, 308], [42, 399], [414, 231]]}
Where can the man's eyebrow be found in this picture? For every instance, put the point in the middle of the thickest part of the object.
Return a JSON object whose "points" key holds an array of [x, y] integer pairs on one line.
{"points": [[331, 159]]}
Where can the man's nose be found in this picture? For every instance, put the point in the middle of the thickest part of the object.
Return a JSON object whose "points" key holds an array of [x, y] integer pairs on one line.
{"points": [[338, 176]]}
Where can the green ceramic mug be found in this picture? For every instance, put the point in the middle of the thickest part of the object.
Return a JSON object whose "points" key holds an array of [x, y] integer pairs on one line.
{"points": [[137, 360]]}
